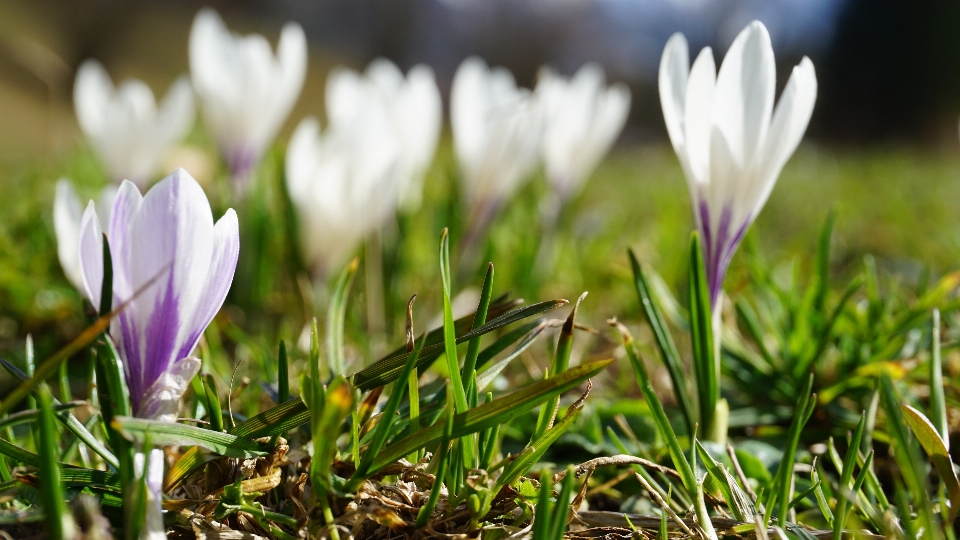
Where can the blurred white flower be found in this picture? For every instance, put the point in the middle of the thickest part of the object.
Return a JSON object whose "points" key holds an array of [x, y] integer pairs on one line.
{"points": [[582, 119], [496, 133], [128, 130], [340, 183], [730, 141], [67, 213], [246, 92], [414, 109]]}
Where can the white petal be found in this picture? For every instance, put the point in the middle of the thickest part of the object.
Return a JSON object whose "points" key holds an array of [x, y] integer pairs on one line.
{"points": [[674, 72], [698, 111], [162, 400], [745, 90], [90, 249], [125, 206], [67, 213], [292, 58], [92, 91], [788, 126], [176, 113], [469, 99]]}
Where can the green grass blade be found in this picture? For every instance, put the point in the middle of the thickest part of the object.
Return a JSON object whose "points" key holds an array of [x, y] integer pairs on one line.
{"points": [[211, 392], [656, 409], [473, 348], [908, 459], [938, 405], [664, 341], [172, 434], [819, 495], [499, 411], [383, 427], [388, 369], [442, 457], [541, 517], [706, 365], [338, 403], [283, 374], [449, 331], [783, 478], [561, 509], [846, 478], [561, 359], [935, 447], [59, 522], [739, 503], [823, 262], [336, 314]]}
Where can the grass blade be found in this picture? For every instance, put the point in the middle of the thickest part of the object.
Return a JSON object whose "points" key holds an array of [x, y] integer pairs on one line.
{"points": [[705, 363], [473, 348], [665, 344], [335, 319], [59, 522], [498, 411], [561, 359], [935, 447], [172, 434]]}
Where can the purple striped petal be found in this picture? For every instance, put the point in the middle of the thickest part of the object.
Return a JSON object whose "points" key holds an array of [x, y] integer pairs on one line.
{"points": [[176, 266], [720, 241]]}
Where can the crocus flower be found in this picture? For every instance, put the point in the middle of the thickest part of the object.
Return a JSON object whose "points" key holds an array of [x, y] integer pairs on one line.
{"points": [[731, 142], [246, 92], [583, 118], [67, 213], [340, 182], [166, 249], [496, 134], [414, 109], [126, 127]]}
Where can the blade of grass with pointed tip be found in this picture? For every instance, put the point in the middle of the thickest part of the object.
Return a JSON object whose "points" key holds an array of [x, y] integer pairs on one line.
{"points": [[680, 462], [172, 434], [499, 411], [449, 331], [388, 369], [783, 478], [473, 348], [541, 516], [846, 478], [211, 392], [738, 501], [335, 319], [338, 403], [936, 449], [561, 359], [561, 509], [938, 405], [907, 457], [819, 495], [383, 427], [706, 365], [69, 421], [488, 375], [533, 453], [664, 341]]}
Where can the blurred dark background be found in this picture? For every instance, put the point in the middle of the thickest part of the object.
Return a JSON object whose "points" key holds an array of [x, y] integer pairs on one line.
{"points": [[888, 70]]}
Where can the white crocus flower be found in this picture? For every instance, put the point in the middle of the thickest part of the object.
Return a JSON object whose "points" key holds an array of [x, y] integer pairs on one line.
{"points": [[246, 92], [67, 213], [414, 109], [341, 185], [731, 142], [496, 133], [127, 129], [582, 119]]}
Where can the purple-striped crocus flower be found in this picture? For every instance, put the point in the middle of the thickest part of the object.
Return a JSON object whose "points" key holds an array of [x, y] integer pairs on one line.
{"points": [[166, 248], [731, 142]]}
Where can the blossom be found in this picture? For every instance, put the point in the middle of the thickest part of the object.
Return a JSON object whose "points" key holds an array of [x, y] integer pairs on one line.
{"points": [[414, 115], [496, 132], [176, 265], [340, 184], [731, 142], [126, 127], [67, 213], [246, 92], [583, 118]]}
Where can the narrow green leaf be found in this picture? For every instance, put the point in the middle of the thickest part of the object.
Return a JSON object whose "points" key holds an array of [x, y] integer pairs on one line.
{"points": [[172, 434], [473, 348], [336, 314], [938, 405], [541, 516], [935, 447], [738, 502], [449, 332], [823, 261], [656, 409], [706, 365], [533, 453], [325, 427], [213, 402], [783, 479], [846, 478], [499, 411], [388, 369], [664, 341], [59, 523], [561, 510], [283, 374], [561, 359], [383, 427], [426, 511]]}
